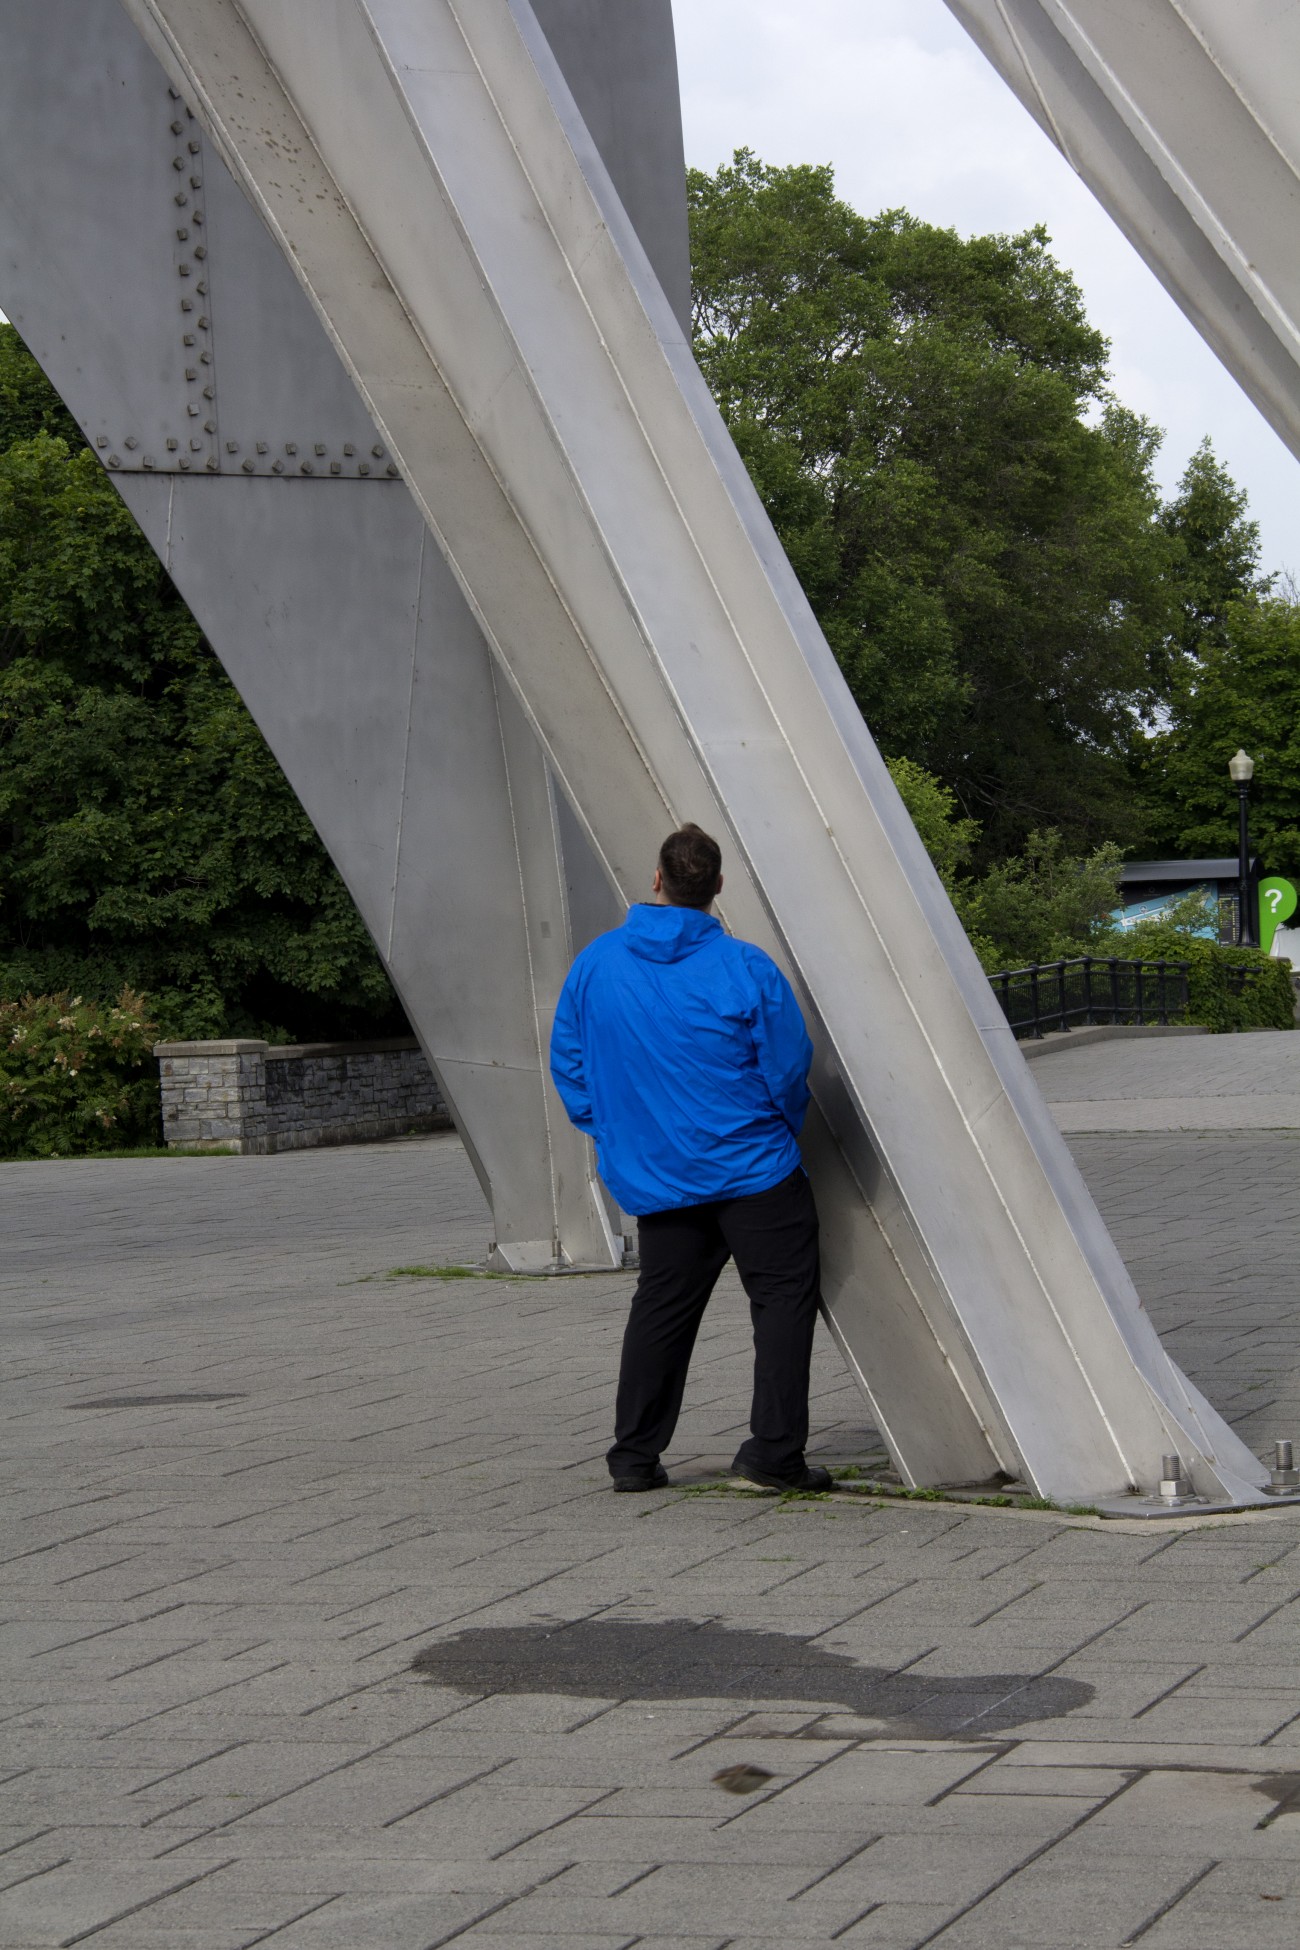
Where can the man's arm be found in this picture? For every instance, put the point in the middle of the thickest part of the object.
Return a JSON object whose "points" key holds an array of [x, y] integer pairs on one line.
{"points": [[566, 1059], [781, 1040]]}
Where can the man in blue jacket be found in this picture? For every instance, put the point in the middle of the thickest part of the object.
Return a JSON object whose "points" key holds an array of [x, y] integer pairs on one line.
{"points": [[683, 1054]]}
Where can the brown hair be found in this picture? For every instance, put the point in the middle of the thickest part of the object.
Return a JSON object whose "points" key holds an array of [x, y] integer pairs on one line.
{"points": [[690, 863]]}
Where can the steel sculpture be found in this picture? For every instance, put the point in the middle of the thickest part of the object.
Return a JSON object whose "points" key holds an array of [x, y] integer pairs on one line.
{"points": [[424, 171], [1183, 119]]}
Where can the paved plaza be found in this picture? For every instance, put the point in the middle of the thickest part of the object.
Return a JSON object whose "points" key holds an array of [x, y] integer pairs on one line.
{"points": [[324, 1628]]}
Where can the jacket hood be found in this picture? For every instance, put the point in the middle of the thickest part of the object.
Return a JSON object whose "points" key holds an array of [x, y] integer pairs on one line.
{"points": [[668, 933]]}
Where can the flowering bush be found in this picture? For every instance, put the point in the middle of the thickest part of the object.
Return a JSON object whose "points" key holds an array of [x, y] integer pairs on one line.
{"points": [[76, 1076]]}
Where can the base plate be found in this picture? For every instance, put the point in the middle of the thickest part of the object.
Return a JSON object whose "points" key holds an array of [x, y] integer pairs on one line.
{"points": [[1189, 1506]]}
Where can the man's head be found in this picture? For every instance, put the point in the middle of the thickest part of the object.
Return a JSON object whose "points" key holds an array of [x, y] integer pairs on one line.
{"points": [[689, 873]]}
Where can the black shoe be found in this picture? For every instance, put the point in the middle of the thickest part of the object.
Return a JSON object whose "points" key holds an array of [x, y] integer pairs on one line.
{"points": [[811, 1477], [640, 1479]]}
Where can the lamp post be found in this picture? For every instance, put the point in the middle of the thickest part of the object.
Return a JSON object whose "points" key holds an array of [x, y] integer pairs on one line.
{"points": [[1241, 770]]}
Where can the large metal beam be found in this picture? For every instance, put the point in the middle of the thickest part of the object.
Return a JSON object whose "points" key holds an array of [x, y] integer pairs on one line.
{"points": [[1182, 117], [166, 316], [425, 171]]}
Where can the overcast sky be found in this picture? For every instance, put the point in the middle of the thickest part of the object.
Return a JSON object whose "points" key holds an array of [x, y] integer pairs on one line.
{"points": [[900, 101]]}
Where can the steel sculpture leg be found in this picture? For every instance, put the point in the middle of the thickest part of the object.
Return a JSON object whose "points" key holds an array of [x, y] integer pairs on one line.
{"points": [[452, 222], [169, 321], [1182, 118]]}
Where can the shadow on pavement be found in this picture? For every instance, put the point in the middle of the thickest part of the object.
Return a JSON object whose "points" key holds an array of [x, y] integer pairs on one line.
{"points": [[683, 1659]]}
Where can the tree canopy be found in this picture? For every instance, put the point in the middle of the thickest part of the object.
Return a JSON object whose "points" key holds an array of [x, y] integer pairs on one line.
{"points": [[971, 513]]}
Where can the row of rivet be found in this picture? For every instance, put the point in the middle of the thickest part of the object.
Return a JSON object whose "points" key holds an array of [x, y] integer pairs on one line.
{"points": [[191, 257], [147, 461], [203, 372]]}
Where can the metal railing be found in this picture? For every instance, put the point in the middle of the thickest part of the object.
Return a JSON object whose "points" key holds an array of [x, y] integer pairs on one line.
{"points": [[1092, 988]]}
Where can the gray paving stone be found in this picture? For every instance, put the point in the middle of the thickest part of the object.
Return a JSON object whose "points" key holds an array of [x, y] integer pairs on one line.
{"points": [[214, 1605]]}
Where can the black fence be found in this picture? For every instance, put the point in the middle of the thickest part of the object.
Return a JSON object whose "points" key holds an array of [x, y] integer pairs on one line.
{"points": [[1093, 988]]}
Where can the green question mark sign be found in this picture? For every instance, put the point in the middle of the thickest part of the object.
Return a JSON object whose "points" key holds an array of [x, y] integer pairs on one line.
{"points": [[1277, 903]]}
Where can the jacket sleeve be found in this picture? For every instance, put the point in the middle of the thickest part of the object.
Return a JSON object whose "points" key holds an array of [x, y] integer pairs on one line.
{"points": [[784, 1049], [567, 1072]]}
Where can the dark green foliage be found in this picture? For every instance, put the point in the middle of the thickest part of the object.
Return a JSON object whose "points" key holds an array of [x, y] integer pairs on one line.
{"points": [[1243, 690], [1228, 988], [1044, 904], [1041, 905], [1215, 560], [28, 403], [971, 514], [76, 1077], [147, 836]]}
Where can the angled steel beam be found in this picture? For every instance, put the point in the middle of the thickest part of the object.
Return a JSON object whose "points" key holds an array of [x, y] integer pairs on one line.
{"points": [[166, 316], [426, 173], [1183, 119]]}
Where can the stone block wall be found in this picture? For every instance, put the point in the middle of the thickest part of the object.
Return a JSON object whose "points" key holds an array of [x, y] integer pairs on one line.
{"points": [[256, 1097]]}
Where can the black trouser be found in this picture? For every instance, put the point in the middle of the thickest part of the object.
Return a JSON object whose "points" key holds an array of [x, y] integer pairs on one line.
{"points": [[773, 1239]]}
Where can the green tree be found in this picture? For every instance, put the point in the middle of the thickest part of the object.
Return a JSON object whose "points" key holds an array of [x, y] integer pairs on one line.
{"points": [[1045, 904], [1242, 690], [971, 513], [147, 836], [1215, 559]]}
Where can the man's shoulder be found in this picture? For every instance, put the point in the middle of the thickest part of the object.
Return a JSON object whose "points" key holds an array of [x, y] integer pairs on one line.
{"points": [[754, 960], [598, 949]]}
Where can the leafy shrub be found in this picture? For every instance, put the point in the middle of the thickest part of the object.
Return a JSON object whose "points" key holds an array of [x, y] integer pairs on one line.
{"points": [[1228, 988], [1045, 904], [76, 1077]]}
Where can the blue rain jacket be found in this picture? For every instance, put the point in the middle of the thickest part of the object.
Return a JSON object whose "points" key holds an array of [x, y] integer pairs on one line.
{"points": [[683, 1054]]}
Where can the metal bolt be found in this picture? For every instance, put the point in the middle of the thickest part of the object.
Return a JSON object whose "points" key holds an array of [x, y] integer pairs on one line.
{"points": [[131, 441], [180, 199], [172, 445], [178, 128], [320, 449], [187, 304], [203, 323], [185, 463], [348, 448], [209, 392], [178, 162], [232, 446], [391, 471], [194, 148], [261, 446], [192, 410], [290, 446], [187, 338], [102, 440], [1284, 1477], [184, 269], [336, 467], [191, 372], [213, 464], [196, 446], [306, 468], [115, 460], [378, 452], [196, 182], [1174, 1486], [209, 426], [247, 466], [202, 289], [277, 467], [182, 234], [147, 462], [200, 250], [364, 467]]}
